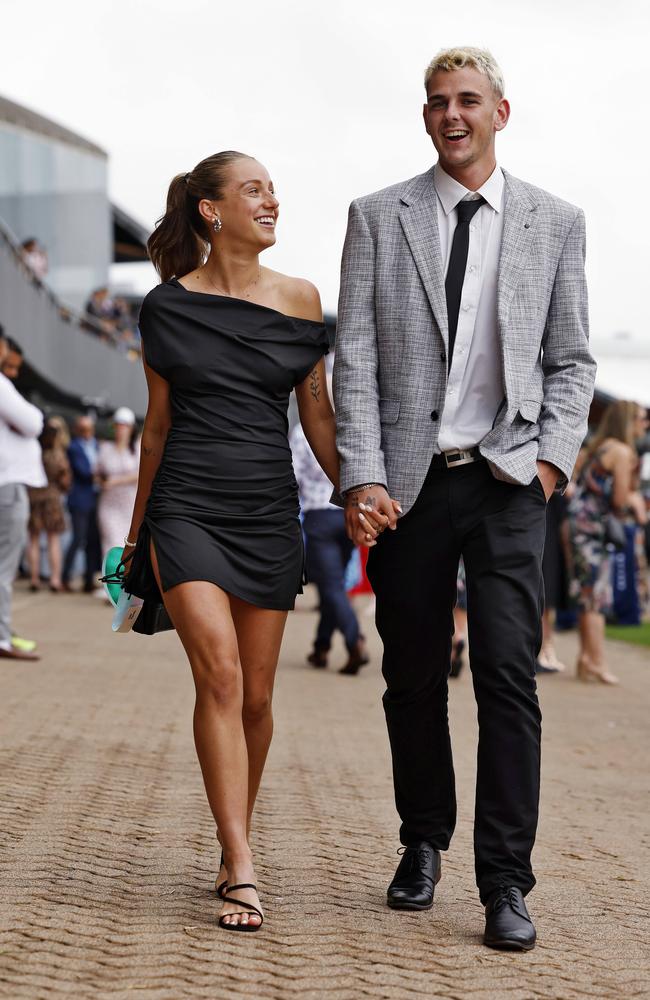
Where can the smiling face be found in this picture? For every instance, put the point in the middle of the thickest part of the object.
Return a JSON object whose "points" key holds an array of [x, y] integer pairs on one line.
{"points": [[248, 209], [462, 115]]}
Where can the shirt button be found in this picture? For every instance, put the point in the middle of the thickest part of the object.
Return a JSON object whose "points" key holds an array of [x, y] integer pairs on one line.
{"points": [[466, 308], [434, 414], [472, 269]]}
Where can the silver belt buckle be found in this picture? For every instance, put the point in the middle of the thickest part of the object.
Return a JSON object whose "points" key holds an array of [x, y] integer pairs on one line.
{"points": [[464, 457]]}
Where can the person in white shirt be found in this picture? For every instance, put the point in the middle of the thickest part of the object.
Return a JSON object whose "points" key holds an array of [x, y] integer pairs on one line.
{"points": [[328, 551], [20, 466]]}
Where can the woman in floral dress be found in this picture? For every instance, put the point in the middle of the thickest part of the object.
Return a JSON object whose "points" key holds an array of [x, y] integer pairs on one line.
{"points": [[605, 486], [46, 504]]}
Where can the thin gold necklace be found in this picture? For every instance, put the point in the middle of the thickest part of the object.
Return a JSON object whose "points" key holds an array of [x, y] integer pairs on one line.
{"points": [[244, 294]]}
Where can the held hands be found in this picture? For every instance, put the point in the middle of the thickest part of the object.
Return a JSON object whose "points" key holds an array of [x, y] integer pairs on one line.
{"points": [[369, 512]]}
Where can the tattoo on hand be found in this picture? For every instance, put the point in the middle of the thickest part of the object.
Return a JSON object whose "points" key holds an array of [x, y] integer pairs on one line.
{"points": [[314, 384], [371, 502]]}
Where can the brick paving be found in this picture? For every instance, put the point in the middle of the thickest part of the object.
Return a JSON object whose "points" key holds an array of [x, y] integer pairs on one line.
{"points": [[107, 850]]}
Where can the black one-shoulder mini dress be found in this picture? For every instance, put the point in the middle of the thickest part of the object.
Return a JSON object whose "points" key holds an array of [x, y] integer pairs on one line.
{"points": [[224, 502]]}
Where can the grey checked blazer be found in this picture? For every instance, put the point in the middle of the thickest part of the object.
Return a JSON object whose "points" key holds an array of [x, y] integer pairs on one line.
{"points": [[390, 369]]}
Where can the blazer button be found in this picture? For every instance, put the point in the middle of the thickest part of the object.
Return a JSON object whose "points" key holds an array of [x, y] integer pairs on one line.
{"points": [[442, 356], [434, 414]]}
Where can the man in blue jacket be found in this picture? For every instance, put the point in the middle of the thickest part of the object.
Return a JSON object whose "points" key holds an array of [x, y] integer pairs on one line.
{"points": [[82, 503]]}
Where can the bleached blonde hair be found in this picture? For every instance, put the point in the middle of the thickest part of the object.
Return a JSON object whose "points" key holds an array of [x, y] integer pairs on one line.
{"points": [[480, 59]]}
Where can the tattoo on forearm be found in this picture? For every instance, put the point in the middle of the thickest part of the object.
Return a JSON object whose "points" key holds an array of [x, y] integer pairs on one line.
{"points": [[147, 451], [314, 384]]}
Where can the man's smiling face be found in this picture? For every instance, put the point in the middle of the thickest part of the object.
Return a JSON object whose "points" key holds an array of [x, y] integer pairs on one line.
{"points": [[462, 115]]}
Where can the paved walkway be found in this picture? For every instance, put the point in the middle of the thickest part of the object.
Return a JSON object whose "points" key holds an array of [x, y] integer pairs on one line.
{"points": [[108, 854]]}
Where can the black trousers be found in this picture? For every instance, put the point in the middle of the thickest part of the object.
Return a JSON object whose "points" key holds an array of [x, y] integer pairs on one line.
{"points": [[499, 530], [328, 552]]}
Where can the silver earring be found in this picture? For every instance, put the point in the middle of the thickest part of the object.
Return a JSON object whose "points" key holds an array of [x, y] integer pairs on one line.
{"points": [[216, 224]]}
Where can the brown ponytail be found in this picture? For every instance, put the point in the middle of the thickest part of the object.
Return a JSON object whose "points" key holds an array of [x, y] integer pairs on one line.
{"points": [[181, 240]]}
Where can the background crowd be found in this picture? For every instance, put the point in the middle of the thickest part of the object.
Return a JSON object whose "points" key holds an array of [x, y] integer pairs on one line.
{"points": [[107, 316], [65, 496]]}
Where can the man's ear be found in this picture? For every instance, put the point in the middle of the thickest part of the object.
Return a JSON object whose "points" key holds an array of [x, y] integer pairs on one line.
{"points": [[501, 115]]}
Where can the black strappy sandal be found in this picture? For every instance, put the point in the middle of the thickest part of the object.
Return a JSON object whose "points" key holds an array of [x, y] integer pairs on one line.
{"points": [[220, 888], [248, 908]]}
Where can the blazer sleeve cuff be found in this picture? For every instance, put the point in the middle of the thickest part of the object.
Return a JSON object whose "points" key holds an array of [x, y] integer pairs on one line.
{"points": [[354, 476], [558, 454]]}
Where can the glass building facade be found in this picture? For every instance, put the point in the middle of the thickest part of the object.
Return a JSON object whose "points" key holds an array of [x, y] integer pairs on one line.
{"points": [[53, 186]]}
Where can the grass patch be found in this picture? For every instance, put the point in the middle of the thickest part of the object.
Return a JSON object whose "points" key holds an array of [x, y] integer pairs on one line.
{"points": [[638, 634]]}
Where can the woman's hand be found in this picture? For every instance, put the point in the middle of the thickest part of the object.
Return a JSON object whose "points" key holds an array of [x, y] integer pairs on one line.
{"points": [[368, 513]]}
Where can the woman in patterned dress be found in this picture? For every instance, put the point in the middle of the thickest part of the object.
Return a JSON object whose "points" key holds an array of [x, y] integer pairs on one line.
{"points": [[605, 485], [46, 504]]}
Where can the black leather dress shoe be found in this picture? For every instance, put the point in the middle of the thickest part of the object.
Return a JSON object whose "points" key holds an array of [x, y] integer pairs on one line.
{"points": [[415, 880], [507, 921]]}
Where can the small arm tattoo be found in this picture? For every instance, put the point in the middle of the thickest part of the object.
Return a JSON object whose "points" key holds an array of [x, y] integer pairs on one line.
{"points": [[314, 384], [148, 451]]}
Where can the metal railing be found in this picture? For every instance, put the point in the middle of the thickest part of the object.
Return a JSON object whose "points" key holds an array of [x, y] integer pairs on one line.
{"points": [[73, 352]]}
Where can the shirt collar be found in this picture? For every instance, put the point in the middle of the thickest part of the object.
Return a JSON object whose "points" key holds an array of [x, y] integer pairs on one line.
{"points": [[451, 192]]}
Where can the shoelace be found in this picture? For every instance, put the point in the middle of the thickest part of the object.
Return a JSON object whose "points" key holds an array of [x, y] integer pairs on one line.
{"points": [[416, 857], [508, 896]]}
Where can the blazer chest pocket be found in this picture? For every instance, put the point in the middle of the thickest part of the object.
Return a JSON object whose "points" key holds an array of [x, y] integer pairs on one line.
{"points": [[388, 411], [529, 409]]}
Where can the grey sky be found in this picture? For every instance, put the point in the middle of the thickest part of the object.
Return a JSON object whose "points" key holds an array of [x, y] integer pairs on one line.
{"points": [[328, 95]]}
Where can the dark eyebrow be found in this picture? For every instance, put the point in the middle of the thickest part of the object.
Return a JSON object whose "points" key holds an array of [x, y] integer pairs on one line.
{"points": [[244, 183]]}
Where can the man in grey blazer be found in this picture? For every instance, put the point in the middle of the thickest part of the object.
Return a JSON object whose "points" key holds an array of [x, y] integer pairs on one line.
{"points": [[462, 382]]}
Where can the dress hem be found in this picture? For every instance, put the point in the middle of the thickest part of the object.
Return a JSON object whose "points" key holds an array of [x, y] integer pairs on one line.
{"points": [[230, 592]]}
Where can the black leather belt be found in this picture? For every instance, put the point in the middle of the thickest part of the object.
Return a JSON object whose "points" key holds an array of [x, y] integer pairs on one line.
{"points": [[452, 459]]}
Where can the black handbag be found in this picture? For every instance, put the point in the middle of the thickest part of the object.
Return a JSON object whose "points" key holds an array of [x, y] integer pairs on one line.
{"points": [[615, 532], [153, 618]]}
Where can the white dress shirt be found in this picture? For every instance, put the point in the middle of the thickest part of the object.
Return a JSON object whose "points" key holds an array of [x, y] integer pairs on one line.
{"points": [[475, 386], [20, 425]]}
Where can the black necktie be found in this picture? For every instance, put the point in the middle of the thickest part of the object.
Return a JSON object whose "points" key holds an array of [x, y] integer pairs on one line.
{"points": [[457, 263]]}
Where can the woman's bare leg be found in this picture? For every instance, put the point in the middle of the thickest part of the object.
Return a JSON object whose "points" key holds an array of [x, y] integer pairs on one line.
{"points": [[259, 637], [591, 625], [201, 615], [34, 559], [54, 558]]}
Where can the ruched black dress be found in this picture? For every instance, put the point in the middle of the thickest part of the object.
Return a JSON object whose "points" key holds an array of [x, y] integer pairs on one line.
{"points": [[224, 503]]}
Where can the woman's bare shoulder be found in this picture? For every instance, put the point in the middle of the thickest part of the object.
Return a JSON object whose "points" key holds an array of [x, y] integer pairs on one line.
{"points": [[612, 450], [298, 296]]}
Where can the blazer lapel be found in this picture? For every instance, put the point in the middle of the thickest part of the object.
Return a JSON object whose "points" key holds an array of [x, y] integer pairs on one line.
{"points": [[419, 219], [519, 223]]}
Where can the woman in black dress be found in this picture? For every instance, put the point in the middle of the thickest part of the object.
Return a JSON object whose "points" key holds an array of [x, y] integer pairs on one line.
{"points": [[216, 513]]}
